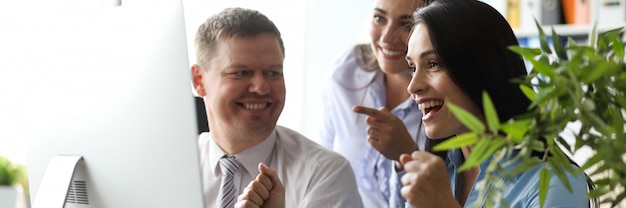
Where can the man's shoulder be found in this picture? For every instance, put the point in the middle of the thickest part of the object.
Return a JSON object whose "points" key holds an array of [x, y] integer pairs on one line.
{"points": [[316, 176], [292, 143]]}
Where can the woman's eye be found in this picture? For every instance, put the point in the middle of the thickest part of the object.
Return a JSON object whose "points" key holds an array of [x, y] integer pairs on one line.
{"points": [[432, 64], [378, 18]]}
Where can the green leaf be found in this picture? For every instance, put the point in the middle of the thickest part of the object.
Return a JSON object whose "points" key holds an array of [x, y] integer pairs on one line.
{"points": [[526, 53], [457, 141], [613, 38], [618, 47], [483, 150], [558, 171], [618, 122], [601, 182], [544, 95], [536, 145], [516, 129], [504, 203], [525, 164], [593, 36], [490, 113], [595, 160], [588, 105], [477, 151], [571, 42], [595, 193], [598, 72], [543, 39], [489, 204], [558, 46], [529, 92], [597, 122], [10, 173], [542, 65], [544, 184], [494, 165], [565, 145], [466, 118], [560, 158]]}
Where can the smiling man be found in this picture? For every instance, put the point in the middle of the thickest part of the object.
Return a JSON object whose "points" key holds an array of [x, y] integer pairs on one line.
{"points": [[239, 74]]}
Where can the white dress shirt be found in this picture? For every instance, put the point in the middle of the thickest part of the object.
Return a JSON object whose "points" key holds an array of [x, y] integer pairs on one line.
{"points": [[313, 176], [345, 131]]}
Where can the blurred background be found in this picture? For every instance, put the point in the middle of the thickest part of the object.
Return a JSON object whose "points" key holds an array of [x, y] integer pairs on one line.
{"points": [[315, 32]]}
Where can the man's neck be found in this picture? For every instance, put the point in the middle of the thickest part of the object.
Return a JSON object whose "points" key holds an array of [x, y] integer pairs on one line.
{"points": [[234, 143]]}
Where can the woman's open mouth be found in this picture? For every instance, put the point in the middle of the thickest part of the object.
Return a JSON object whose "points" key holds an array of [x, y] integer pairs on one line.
{"points": [[429, 107]]}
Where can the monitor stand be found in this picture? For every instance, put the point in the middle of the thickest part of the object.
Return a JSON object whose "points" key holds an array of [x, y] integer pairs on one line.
{"points": [[55, 184]]}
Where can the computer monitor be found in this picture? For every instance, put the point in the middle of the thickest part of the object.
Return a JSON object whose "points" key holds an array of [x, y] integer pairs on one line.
{"points": [[114, 106]]}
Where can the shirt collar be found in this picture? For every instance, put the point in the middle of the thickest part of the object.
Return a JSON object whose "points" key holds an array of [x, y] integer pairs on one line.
{"points": [[455, 158], [249, 158], [406, 107], [378, 91]]}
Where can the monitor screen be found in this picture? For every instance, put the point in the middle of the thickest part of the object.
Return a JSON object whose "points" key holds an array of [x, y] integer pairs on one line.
{"points": [[112, 85]]}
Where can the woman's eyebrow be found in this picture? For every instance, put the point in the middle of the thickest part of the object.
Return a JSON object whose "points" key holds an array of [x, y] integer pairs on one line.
{"points": [[425, 53]]}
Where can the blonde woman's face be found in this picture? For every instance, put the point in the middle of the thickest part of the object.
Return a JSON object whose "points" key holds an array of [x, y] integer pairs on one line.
{"points": [[389, 32]]}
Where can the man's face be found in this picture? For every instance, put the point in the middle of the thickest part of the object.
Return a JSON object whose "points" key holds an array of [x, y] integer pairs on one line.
{"points": [[243, 85]]}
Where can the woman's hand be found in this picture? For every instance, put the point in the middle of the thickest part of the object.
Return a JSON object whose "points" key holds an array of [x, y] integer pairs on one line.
{"points": [[387, 133], [426, 182]]}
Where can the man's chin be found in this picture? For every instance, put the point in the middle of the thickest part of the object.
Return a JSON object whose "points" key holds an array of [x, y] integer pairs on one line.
{"points": [[259, 123]]}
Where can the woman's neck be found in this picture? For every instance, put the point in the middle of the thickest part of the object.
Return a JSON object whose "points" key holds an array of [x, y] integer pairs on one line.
{"points": [[467, 151], [395, 87]]}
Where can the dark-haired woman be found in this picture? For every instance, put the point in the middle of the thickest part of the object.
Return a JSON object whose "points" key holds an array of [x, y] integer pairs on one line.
{"points": [[457, 50]]}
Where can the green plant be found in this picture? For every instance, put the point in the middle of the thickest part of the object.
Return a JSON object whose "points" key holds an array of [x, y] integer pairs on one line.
{"points": [[568, 83], [11, 174]]}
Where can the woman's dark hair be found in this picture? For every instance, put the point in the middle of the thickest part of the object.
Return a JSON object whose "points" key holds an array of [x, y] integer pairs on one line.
{"points": [[471, 39]]}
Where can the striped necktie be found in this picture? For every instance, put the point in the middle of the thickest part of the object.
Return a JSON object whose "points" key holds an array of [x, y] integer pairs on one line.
{"points": [[228, 192]]}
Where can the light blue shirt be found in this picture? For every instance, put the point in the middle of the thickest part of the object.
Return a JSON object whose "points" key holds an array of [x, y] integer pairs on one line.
{"points": [[345, 131], [523, 191]]}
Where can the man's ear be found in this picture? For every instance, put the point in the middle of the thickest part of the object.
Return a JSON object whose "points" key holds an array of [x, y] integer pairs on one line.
{"points": [[196, 73]]}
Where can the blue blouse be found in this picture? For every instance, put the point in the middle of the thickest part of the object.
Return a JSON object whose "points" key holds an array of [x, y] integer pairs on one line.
{"points": [[343, 130], [523, 190]]}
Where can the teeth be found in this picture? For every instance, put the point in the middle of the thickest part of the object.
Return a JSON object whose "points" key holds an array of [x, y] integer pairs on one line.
{"points": [[392, 53], [254, 106], [430, 104]]}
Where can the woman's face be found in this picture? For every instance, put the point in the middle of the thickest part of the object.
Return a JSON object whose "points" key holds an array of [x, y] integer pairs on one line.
{"points": [[391, 24], [431, 87]]}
